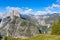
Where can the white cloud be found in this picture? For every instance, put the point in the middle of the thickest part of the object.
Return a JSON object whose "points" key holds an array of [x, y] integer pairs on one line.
{"points": [[28, 11], [54, 8], [13, 8], [40, 12], [58, 1], [21, 10]]}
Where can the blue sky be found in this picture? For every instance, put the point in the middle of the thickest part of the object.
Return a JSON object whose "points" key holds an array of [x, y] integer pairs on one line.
{"points": [[27, 3], [37, 6]]}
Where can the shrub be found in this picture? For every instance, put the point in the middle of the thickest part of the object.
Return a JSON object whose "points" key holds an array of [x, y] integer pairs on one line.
{"points": [[55, 28], [24, 23]]}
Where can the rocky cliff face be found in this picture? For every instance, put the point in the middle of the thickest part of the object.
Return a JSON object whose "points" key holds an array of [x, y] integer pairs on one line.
{"points": [[22, 28], [18, 27]]}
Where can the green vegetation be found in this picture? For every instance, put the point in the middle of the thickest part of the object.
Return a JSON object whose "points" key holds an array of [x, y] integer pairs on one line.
{"points": [[55, 29], [27, 23], [24, 23], [38, 37]]}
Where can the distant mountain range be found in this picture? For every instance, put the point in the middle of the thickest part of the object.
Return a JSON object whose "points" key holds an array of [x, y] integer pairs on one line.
{"points": [[41, 20], [38, 18]]}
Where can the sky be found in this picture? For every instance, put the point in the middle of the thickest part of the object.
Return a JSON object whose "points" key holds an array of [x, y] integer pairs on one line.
{"points": [[36, 7]]}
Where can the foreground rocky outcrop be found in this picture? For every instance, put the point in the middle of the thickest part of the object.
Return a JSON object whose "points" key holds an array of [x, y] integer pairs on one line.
{"points": [[18, 27], [21, 28]]}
